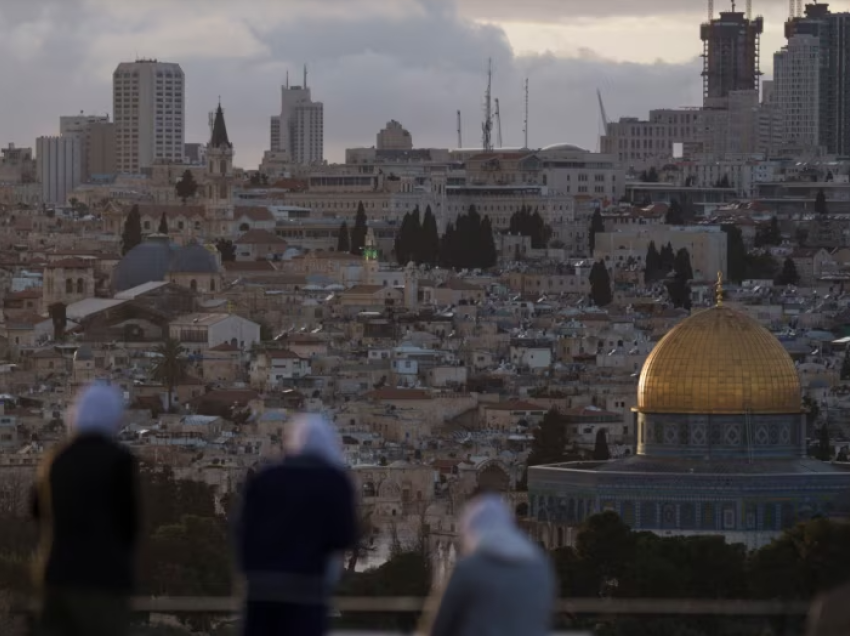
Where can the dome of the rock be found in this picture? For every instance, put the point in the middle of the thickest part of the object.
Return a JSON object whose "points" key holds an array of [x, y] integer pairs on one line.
{"points": [[719, 361]]}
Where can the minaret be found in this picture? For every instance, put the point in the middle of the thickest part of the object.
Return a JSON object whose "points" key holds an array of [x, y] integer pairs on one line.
{"points": [[219, 177], [371, 266]]}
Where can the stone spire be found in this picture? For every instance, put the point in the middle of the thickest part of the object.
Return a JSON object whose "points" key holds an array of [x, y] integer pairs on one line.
{"points": [[219, 132]]}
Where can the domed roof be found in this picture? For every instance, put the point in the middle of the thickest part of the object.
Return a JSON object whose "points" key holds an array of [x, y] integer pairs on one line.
{"points": [[152, 261], [719, 361], [147, 262], [194, 258]]}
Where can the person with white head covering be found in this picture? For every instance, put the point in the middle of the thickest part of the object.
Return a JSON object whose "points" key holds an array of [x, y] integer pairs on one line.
{"points": [[503, 584], [297, 517], [86, 502]]}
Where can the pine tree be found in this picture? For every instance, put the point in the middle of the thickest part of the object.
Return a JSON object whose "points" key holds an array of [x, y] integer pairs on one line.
{"points": [[489, 256], [682, 265], [845, 365], [549, 444], [187, 187], [824, 445], [600, 285], [359, 231], [447, 247], [600, 448], [678, 288], [132, 234], [820, 203], [430, 237], [788, 275], [736, 253], [596, 226], [163, 225], [342, 241], [652, 266], [668, 259]]}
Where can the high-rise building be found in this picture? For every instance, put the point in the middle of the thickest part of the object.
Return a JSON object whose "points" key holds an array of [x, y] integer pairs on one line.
{"points": [[60, 167], [394, 137], [832, 33], [148, 101], [796, 74], [97, 136], [299, 130], [731, 55]]}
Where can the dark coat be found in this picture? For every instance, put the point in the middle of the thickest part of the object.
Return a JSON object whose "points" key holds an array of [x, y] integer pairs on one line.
{"points": [[86, 501], [296, 517]]}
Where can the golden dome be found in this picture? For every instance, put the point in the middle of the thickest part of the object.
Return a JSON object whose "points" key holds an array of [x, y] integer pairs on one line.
{"points": [[719, 361]]}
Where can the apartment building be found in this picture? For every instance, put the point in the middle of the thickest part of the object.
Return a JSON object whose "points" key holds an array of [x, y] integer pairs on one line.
{"points": [[299, 130], [97, 137], [635, 142], [148, 105], [796, 70], [394, 137], [60, 167]]}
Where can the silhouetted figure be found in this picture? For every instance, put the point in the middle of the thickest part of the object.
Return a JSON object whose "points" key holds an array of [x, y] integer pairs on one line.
{"points": [[503, 584], [86, 502], [298, 517]]}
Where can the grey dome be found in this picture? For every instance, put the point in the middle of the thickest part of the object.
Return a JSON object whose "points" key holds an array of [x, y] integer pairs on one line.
{"points": [[147, 262], [83, 353], [152, 261], [194, 258]]}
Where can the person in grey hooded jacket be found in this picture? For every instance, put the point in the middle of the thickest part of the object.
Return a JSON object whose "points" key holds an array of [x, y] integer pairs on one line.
{"points": [[503, 585]]}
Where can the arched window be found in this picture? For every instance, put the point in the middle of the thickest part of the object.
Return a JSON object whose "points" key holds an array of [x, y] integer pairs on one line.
{"points": [[212, 284], [81, 286], [69, 286], [193, 285]]}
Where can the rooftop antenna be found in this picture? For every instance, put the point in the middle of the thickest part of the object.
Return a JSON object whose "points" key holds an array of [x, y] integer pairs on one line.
{"points": [[710, 10], [287, 79], [498, 117], [459, 135], [733, 6], [305, 76], [525, 120], [487, 126], [800, 8], [749, 10]]}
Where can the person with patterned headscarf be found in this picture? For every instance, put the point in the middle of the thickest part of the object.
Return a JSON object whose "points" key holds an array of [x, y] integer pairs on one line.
{"points": [[297, 518]]}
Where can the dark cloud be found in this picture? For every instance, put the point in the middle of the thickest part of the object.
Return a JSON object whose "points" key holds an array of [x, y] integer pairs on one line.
{"points": [[419, 66]]}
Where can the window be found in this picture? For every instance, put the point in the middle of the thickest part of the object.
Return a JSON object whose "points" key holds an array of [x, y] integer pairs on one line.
{"points": [[146, 225], [212, 284], [81, 286], [69, 286]]}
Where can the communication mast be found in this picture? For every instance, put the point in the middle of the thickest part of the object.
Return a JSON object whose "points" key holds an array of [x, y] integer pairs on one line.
{"points": [[749, 9], [459, 135], [498, 116], [487, 126], [711, 10], [525, 120]]}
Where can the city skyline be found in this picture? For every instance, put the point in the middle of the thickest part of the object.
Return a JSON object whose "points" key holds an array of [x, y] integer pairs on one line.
{"points": [[368, 64]]}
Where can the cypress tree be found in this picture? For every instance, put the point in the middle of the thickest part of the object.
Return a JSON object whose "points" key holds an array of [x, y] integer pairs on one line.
{"points": [[430, 237], [652, 265], [163, 224], [489, 255], [820, 202], [600, 285], [342, 240], [600, 448], [359, 231], [132, 234], [596, 226], [668, 259]]}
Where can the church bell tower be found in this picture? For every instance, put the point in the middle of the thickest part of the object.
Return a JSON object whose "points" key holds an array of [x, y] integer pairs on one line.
{"points": [[220, 178]]}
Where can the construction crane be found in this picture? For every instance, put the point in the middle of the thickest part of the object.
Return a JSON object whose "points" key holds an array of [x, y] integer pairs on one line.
{"points": [[487, 125], [498, 116], [602, 112], [525, 121], [459, 135]]}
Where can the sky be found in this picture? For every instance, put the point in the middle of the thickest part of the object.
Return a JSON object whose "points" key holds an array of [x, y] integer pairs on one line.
{"points": [[416, 61]]}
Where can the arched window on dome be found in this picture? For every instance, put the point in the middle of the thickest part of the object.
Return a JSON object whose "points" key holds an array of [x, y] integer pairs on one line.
{"points": [[81, 286], [69, 286], [193, 285]]}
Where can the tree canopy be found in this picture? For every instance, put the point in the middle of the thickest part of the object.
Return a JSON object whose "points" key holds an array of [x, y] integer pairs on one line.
{"points": [[132, 234], [343, 244], [357, 237], [227, 249], [163, 225], [469, 243], [596, 226], [820, 203], [600, 285], [171, 366], [417, 239], [675, 214], [788, 275], [186, 187], [527, 223]]}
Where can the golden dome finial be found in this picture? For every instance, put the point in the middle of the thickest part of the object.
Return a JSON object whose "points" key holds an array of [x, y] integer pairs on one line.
{"points": [[718, 292]]}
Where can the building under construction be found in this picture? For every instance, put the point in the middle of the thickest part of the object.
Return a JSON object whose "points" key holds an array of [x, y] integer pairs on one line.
{"points": [[730, 53], [832, 31]]}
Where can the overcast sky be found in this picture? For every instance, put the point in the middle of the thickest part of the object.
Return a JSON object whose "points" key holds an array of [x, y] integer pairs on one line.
{"points": [[417, 61]]}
